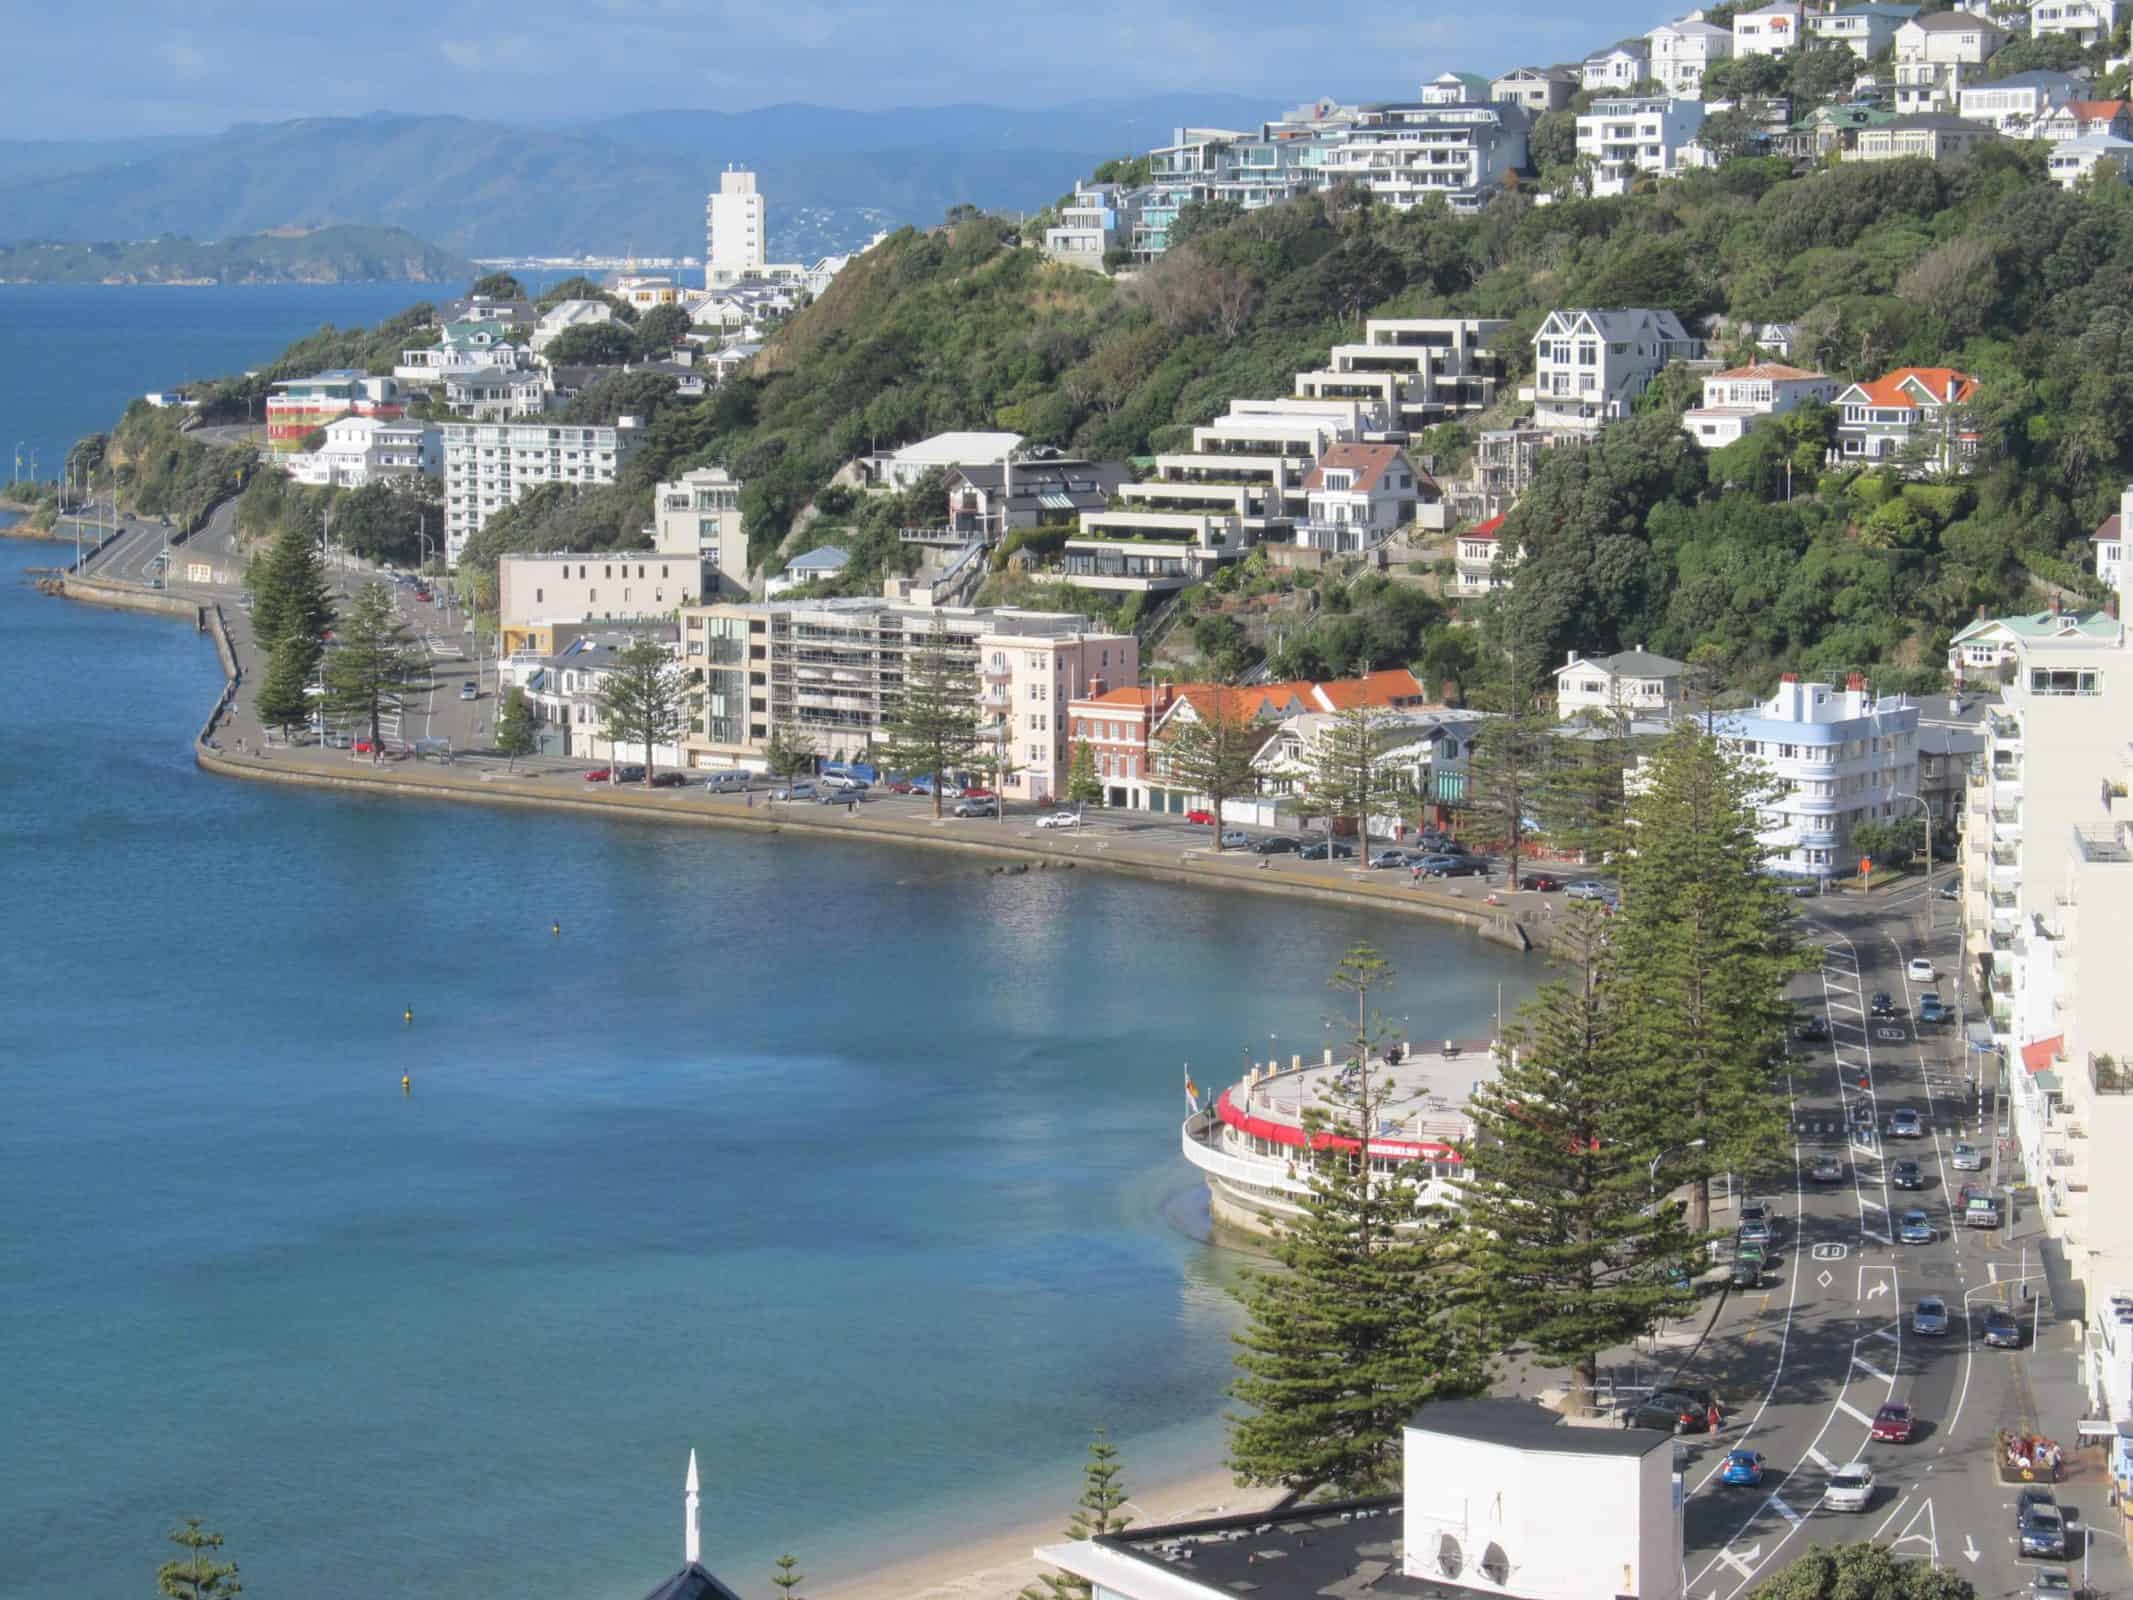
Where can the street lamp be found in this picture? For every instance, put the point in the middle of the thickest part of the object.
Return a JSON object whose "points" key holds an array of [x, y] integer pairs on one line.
{"points": [[1675, 1150]]}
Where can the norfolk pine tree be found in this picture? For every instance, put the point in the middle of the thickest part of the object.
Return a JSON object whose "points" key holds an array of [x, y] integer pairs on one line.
{"points": [[1584, 800], [377, 665], [935, 726], [1358, 1331], [1705, 947], [1506, 778], [282, 701], [514, 729], [290, 594], [1097, 1513], [1211, 752], [195, 1576], [641, 700], [788, 1577], [1083, 787], [788, 752], [1349, 775], [1565, 1256]]}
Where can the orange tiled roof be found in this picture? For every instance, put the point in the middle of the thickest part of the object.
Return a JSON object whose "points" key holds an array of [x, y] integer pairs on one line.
{"points": [[2094, 110], [2038, 1057], [1376, 689], [1115, 697], [1893, 391], [1369, 463]]}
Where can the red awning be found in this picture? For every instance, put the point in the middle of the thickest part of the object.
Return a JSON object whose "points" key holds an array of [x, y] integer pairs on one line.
{"points": [[2038, 1057], [1289, 1134]]}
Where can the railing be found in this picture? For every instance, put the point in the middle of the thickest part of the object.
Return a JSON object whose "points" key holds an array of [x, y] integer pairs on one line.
{"points": [[2107, 1076]]}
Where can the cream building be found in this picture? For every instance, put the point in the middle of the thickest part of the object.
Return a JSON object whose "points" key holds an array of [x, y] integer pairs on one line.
{"points": [[700, 513]]}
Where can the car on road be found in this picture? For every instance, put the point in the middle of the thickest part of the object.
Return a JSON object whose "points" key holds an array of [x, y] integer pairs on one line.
{"points": [[2044, 1533], [669, 780], [1851, 1488], [798, 789], [1811, 890], [1966, 1157], [1882, 1005], [2003, 1331], [1758, 1211], [1743, 1469], [600, 775], [1929, 1318], [1540, 882], [1060, 819], [1907, 1175], [1948, 891], [629, 774], [1275, 844], [1455, 867], [1892, 1424], [1915, 1227], [1590, 889], [2032, 1496], [1761, 1256], [986, 807], [2051, 1583], [1811, 1030], [1745, 1274], [1919, 969], [1235, 839], [844, 783], [1390, 858], [1671, 1411], [1202, 818], [1930, 1008], [1826, 1169], [470, 690], [1327, 850], [1904, 1124], [1756, 1231]]}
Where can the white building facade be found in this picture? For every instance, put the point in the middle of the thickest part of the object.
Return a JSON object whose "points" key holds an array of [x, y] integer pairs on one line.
{"points": [[699, 514], [1680, 51], [736, 230], [1590, 365], [364, 450], [1767, 31], [487, 466], [1734, 400], [1626, 138]]}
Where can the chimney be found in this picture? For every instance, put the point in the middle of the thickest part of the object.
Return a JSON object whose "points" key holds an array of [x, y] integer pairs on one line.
{"points": [[1788, 677], [1981, 611], [1096, 688], [1951, 388], [1856, 682]]}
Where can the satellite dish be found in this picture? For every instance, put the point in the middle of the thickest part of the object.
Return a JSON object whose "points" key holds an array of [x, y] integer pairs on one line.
{"points": [[1495, 1565], [1451, 1560]]}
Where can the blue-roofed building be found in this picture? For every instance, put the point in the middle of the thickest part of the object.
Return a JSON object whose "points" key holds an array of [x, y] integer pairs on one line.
{"points": [[825, 561]]}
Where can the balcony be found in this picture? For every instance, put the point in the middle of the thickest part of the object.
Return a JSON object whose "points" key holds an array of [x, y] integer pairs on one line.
{"points": [[2100, 844], [2108, 1075]]}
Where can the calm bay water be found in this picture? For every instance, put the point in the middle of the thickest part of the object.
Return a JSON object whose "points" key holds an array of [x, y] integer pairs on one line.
{"points": [[852, 1167]]}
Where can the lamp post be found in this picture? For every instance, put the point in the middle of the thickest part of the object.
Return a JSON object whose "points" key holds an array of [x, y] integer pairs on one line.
{"points": [[1672, 1150]]}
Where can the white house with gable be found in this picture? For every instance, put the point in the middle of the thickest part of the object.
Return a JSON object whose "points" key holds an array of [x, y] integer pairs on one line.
{"points": [[1768, 30], [1623, 67], [2083, 21], [1734, 400], [1937, 54], [1591, 364], [1680, 51]]}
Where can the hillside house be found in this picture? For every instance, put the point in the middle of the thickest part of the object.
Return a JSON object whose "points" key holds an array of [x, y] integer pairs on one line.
{"points": [[1591, 364], [1913, 415], [1937, 54], [1734, 400], [1359, 494]]}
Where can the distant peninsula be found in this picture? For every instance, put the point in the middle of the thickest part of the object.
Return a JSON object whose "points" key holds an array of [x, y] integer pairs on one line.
{"points": [[340, 254]]}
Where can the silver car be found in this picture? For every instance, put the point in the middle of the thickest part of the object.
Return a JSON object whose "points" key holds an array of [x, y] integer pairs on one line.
{"points": [[1967, 1158], [1930, 1317]]}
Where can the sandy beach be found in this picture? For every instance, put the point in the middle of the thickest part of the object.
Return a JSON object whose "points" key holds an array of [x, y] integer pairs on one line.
{"points": [[996, 1566]]}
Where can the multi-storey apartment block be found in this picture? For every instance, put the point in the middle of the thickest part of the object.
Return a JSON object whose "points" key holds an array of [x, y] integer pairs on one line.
{"points": [[1100, 218], [1418, 369], [1772, 30], [1590, 365], [1681, 51], [488, 465], [296, 406], [699, 514], [1625, 138]]}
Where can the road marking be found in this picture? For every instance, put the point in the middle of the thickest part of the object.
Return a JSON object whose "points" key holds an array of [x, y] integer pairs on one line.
{"points": [[1889, 1334], [1861, 1361], [1785, 1511], [1831, 1252], [1820, 1459], [1854, 1412], [1827, 1278], [1744, 1564]]}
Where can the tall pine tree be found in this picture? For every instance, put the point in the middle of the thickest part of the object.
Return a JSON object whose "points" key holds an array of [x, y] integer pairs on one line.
{"points": [[283, 699], [1507, 778], [1210, 752], [197, 1575], [641, 700], [290, 593], [1098, 1512], [934, 729], [377, 666], [1358, 1331], [1349, 775], [1705, 944], [515, 733], [1565, 1254]]}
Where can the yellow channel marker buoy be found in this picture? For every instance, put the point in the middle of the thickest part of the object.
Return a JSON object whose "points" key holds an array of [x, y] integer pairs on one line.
{"points": [[409, 1017], [407, 1084], [556, 928]]}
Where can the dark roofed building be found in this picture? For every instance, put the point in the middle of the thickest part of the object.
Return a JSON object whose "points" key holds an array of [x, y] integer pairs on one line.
{"points": [[990, 500]]}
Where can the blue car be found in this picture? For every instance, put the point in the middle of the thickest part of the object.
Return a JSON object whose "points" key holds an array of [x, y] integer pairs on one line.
{"points": [[1743, 1469], [1916, 1228]]}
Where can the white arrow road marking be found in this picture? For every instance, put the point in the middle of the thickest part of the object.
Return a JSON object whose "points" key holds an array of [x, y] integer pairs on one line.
{"points": [[1742, 1564], [1881, 1286], [1854, 1412], [1785, 1511], [1868, 1366], [1970, 1549]]}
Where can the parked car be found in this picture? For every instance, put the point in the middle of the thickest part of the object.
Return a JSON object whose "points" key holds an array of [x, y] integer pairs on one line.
{"points": [[1826, 1169], [336, 740], [983, 807], [1759, 1211], [629, 774], [1915, 1227], [2003, 1331], [669, 780], [1905, 1124], [844, 783], [1060, 819], [972, 792], [1327, 850], [2044, 1533], [1671, 1411], [1235, 839], [1882, 1005], [1455, 867], [469, 690], [1274, 844], [1760, 1256], [1966, 1157], [1907, 1175], [1929, 1317], [1743, 1469], [1201, 818], [1919, 970], [1811, 1030], [1756, 1231], [1591, 889], [600, 775], [1540, 882], [1892, 1424], [1389, 858], [1851, 1488], [1930, 1009], [1743, 1274], [798, 789]]}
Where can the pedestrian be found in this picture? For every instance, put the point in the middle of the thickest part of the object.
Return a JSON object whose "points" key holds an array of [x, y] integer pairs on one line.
{"points": [[851, 808], [1714, 1418], [1414, 877]]}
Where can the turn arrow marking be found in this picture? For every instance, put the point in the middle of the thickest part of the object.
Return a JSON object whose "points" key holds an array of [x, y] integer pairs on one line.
{"points": [[1744, 1564], [1970, 1550], [1881, 1286]]}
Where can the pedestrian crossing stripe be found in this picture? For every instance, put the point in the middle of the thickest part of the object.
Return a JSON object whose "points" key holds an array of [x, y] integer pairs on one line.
{"points": [[1854, 1412]]}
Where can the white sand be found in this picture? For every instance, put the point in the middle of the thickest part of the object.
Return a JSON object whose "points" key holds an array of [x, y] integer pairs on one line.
{"points": [[996, 1566]]}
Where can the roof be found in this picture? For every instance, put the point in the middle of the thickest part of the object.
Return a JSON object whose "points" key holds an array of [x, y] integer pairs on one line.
{"points": [[1381, 690], [2094, 110], [1369, 463], [1933, 122], [2040, 78], [1772, 371], [1090, 483], [1528, 1425], [1899, 390], [2101, 143], [1137, 698], [2107, 530], [1630, 663], [692, 1583], [1372, 689], [954, 449], [2038, 1057], [823, 558], [1614, 323], [1490, 529], [1953, 22], [1694, 30]]}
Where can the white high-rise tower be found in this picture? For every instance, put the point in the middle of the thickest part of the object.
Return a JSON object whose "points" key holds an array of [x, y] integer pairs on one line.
{"points": [[734, 228]]}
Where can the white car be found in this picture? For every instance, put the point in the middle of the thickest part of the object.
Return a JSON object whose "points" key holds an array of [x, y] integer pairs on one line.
{"points": [[1920, 970], [1059, 819], [1851, 1488]]}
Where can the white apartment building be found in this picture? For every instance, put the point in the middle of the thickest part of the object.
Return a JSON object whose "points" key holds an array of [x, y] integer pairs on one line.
{"points": [[566, 314], [2015, 106], [1866, 30], [1680, 51], [1419, 369], [699, 514], [1624, 138], [1937, 54], [362, 450], [829, 672], [736, 230], [1618, 70], [1404, 153], [2083, 21], [1767, 31], [1735, 399], [1835, 758], [497, 394], [537, 593], [2074, 160], [1098, 219], [1025, 680], [1591, 364], [1247, 466], [489, 465], [1637, 683]]}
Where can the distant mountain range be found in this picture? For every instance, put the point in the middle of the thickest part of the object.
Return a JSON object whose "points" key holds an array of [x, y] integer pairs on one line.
{"points": [[631, 183], [344, 253]]}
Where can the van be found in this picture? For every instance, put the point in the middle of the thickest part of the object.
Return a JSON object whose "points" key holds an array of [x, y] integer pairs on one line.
{"points": [[727, 783]]}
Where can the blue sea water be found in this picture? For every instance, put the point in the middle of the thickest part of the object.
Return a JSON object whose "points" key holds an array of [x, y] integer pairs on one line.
{"points": [[853, 1168]]}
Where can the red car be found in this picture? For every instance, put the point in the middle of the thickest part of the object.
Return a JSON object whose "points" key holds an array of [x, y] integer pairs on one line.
{"points": [[1545, 882], [599, 775], [900, 786], [979, 794], [1200, 819], [1892, 1424]]}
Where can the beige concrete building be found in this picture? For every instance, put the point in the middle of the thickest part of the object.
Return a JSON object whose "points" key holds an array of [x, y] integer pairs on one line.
{"points": [[537, 594], [700, 513]]}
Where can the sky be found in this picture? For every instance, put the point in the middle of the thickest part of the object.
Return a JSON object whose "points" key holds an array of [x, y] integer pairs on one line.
{"points": [[196, 66]]}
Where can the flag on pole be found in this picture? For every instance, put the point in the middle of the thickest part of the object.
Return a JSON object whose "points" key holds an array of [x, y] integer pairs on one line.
{"points": [[1192, 1095]]}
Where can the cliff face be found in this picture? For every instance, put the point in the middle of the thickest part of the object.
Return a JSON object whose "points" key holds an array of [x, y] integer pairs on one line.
{"points": [[344, 254]]}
